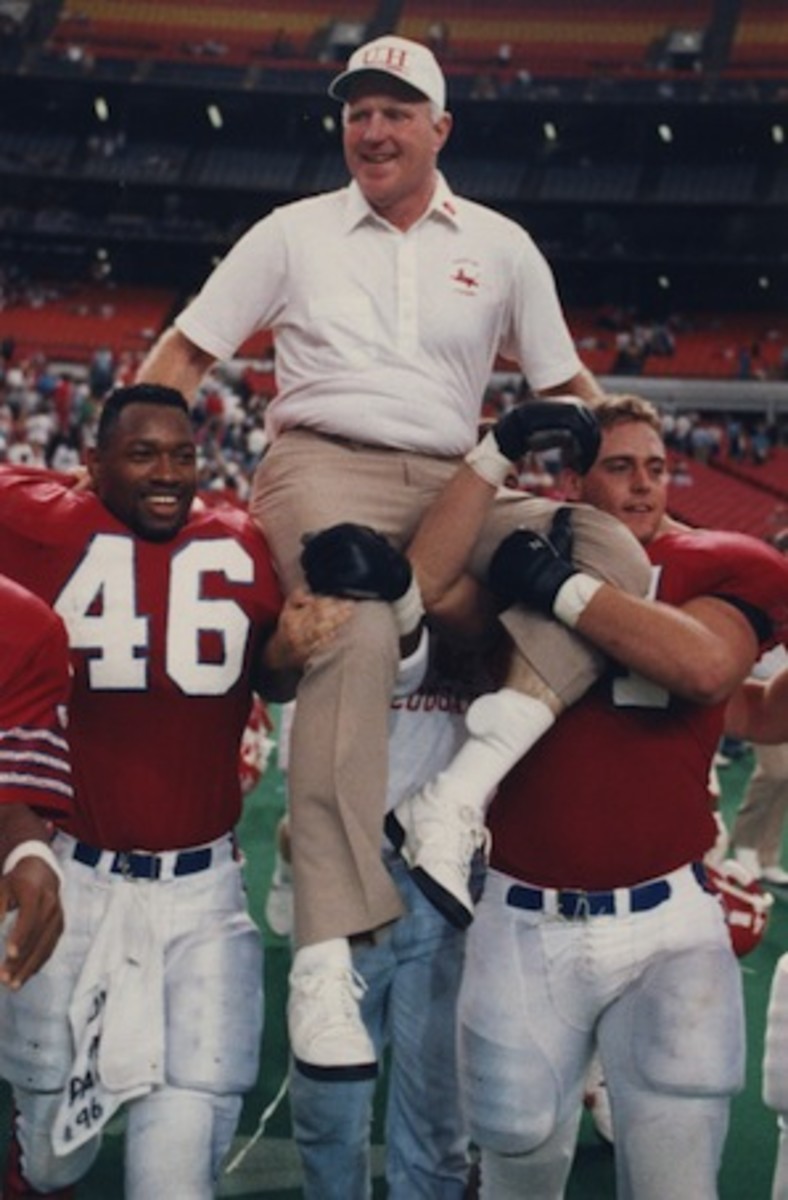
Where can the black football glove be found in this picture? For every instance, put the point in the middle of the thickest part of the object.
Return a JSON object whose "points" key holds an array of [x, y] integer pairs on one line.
{"points": [[537, 424], [354, 561], [529, 568]]}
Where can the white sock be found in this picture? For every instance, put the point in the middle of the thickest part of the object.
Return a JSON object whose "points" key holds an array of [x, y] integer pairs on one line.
{"points": [[503, 726], [334, 952]]}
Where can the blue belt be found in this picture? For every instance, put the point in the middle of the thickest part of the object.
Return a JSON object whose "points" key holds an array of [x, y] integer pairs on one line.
{"points": [[571, 902], [136, 864]]}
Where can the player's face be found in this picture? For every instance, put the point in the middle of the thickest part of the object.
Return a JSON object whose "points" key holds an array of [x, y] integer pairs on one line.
{"points": [[147, 475], [630, 478], [391, 144]]}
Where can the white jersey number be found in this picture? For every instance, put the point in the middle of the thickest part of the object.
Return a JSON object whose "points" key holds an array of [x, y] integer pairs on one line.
{"points": [[99, 607]]}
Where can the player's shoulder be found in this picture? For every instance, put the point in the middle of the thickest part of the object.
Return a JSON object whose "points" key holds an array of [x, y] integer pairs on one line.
{"points": [[27, 621], [18, 602], [727, 548], [224, 520]]}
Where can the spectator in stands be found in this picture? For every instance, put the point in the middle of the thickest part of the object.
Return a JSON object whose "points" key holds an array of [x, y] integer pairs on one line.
{"points": [[372, 396]]}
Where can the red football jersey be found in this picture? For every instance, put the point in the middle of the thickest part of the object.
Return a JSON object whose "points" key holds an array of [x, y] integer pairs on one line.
{"points": [[617, 791], [35, 680], [163, 637]]}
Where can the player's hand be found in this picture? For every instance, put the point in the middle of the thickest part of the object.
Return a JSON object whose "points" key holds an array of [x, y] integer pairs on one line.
{"points": [[305, 626], [537, 424], [529, 568], [33, 889], [355, 561]]}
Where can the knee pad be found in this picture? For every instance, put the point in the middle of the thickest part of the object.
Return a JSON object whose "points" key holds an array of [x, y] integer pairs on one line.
{"points": [[509, 1095], [687, 1026], [31, 1144], [214, 1007], [775, 1061]]}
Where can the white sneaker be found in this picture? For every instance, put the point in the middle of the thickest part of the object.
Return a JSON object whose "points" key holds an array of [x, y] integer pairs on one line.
{"points": [[776, 875], [438, 839], [328, 1038], [279, 901], [747, 857]]}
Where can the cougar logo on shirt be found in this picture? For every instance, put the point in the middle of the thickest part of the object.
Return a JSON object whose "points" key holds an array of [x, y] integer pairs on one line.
{"points": [[465, 277]]}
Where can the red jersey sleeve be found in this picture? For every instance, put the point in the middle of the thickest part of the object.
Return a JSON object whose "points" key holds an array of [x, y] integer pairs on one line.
{"points": [[35, 682], [742, 570]]}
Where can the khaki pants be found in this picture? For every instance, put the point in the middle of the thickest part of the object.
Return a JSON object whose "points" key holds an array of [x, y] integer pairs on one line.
{"points": [[761, 817], [337, 782]]}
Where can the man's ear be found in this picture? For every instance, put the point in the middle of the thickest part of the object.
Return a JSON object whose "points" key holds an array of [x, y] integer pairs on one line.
{"points": [[93, 461]]}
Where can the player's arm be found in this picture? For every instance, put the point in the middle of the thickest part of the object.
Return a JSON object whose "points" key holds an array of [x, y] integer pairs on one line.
{"points": [[305, 626], [177, 362], [758, 710], [449, 529], [30, 886], [700, 651]]}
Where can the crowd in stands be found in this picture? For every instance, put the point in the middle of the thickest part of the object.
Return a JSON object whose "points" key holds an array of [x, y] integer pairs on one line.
{"points": [[48, 416]]}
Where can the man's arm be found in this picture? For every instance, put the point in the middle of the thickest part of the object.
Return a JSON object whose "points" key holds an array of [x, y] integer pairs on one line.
{"points": [[701, 651], [449, 529], [177, 362], [758, 711], [583, 385], [32, 887]]}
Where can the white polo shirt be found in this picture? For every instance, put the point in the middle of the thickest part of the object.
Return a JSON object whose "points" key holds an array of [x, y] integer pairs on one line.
{"points": [[383, 336]]}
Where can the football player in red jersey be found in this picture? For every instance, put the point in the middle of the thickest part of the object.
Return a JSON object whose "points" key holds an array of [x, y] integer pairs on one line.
{"points": [[153, 997], [595, 921], [35, 777]]}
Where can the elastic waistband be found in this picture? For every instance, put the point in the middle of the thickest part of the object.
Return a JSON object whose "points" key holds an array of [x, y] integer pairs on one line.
{"points": [[140, 864], [577, 904]]}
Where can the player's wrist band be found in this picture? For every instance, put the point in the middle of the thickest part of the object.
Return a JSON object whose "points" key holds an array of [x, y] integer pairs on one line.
{"points": [[488, 462], [573, 596], [33, 849], [408, 610]]}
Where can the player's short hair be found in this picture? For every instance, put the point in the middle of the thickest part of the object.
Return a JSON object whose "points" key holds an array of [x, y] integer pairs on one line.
{"points": [[136, 393], [617, 408]]}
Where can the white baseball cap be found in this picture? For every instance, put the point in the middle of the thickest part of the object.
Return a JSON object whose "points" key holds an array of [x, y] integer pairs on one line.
{"points": [[410, 62]]}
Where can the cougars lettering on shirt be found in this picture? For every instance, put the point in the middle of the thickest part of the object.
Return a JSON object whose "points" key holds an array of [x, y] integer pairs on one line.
{"points": [[35, 680], [162, 639], [617, 791]]}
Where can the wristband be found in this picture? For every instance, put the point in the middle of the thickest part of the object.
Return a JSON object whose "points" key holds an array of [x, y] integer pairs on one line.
{"points": [[488, 462], [408, 610], [33, 849], [411, 671], [573, 596]]}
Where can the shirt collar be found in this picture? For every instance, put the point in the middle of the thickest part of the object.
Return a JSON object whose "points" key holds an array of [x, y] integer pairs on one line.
{"points": [[444, 205]]}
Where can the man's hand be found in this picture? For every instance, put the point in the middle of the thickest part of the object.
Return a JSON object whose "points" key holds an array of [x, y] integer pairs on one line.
{"points": [[537, 424], [32, 888], [355, 561], [531, 569], [306, 624]]}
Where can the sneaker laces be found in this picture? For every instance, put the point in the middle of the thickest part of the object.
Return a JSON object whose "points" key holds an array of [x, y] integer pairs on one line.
{"points": [[455, 841], [338, 991]]}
